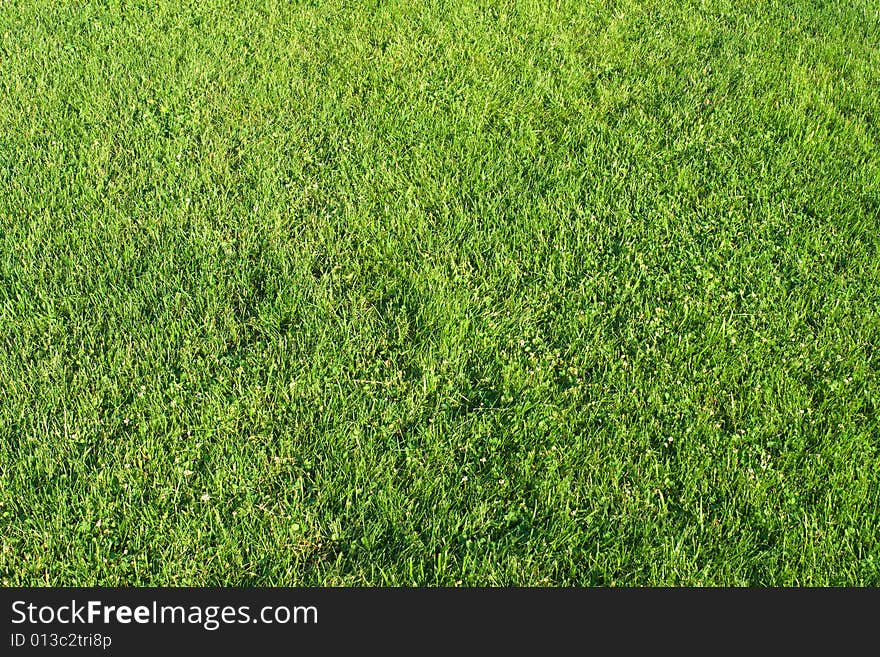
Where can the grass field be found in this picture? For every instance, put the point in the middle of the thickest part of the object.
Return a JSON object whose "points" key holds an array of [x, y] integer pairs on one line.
{"points": [[439, 293]]}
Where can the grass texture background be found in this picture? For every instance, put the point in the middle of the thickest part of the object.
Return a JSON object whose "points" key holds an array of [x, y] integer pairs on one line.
{"points": [[539, 292]]}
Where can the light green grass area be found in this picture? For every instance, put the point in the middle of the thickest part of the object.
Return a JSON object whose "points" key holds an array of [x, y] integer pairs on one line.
{"points": [[539, 292]]}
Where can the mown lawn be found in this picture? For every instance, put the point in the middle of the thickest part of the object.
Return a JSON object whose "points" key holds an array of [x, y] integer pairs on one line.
{"points": [[538, 292]]}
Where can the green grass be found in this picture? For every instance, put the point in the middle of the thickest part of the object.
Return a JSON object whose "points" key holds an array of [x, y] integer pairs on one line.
{"points": [[562, 292]]}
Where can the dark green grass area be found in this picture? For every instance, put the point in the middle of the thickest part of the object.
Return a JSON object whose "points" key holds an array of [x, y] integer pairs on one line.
{"points": [[437, 293]]}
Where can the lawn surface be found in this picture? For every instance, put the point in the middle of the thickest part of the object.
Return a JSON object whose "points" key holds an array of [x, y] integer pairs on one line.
{"points": [[437, 293]]}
